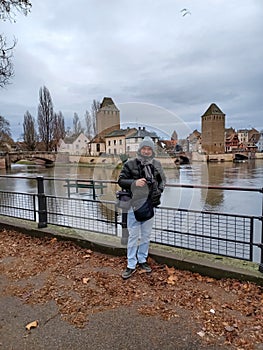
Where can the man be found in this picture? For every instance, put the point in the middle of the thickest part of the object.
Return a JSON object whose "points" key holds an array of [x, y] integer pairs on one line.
{"points": [[143, 176]]}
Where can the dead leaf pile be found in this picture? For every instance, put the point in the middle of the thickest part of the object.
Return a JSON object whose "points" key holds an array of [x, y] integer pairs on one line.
{"points": [[83, 282]]}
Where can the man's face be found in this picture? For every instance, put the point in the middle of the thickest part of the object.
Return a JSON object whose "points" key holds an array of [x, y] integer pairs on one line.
{"points": [[146, 151]]}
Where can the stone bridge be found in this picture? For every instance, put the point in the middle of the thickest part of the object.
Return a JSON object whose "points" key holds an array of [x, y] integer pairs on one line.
{"points": [[12, 157]]}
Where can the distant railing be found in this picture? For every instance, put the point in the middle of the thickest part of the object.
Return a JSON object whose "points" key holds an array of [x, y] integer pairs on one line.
{"points": [[237, 236]]}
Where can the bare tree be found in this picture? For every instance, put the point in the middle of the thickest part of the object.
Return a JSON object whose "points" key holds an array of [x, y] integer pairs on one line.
{"points": [[94, 109], [30, 134], [89, 125], [6, 65], [45, 117], [77, 129], [59, 129], [8, 10], [5, 133]]}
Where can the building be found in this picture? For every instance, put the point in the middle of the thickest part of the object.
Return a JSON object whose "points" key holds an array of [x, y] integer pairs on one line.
{"points": [[248, 139], [231, 142], [194, 142], [133, 140], [115, 141], [213, 130], [96, 146], [253, 135], [168, 146], [260, 142], [75, 145], [243, 135], [174, 136], [107, 117]]}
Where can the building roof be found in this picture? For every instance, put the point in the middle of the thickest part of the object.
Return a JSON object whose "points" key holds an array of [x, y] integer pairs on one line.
{"points": [[232, 137], [71, 139], [213, 109], [242, 131], [141, 133], [107, 103], [120, 132], [194, 135]]}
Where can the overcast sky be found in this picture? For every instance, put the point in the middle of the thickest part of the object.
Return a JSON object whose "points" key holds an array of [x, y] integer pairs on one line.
{"points": [[162, 66]]}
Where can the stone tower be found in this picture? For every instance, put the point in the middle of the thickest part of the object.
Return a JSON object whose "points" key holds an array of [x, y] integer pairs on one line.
{"points": [[107, 117], [213, 130]]}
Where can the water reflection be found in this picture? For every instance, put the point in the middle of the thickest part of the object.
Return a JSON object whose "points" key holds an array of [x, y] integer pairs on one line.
{"points": [[248, 174], [214, 198]]}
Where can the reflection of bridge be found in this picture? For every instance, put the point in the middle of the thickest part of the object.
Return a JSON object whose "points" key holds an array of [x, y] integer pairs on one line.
{"points": [[182, 158], [47, 157], [241, 156]]}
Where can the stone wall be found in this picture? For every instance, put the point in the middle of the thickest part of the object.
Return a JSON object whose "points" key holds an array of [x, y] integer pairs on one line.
{"points": [[2, 163]]}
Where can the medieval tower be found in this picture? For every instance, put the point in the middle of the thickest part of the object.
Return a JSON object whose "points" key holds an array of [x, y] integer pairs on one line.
{"points": [[213, 130], [107, 117]]}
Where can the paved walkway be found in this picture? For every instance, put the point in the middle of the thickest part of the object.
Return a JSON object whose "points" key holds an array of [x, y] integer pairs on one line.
{"points": [[80, 302], [121, 328]]}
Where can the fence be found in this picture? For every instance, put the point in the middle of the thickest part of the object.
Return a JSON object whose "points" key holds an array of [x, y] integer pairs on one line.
{"points": [[237, 236]]}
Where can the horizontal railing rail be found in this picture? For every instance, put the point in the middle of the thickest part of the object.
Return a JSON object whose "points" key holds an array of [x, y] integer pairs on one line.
{"points": [[91, 207]]}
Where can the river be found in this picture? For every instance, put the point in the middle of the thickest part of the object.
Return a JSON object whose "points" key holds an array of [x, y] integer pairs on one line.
{"points": [[249, 174]]}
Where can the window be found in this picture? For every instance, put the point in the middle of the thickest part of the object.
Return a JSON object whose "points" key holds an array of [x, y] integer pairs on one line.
{"points": [[114, 142], [108, 143], [120, 142]]}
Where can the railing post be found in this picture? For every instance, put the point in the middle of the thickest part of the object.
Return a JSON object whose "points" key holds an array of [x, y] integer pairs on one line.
{"points": [[68, 187], [93, 190], [42, 204], [125, 232], [260, 268]]}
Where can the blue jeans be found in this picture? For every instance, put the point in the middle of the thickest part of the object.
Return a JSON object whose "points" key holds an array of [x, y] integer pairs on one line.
{"points": [[139, 240]]}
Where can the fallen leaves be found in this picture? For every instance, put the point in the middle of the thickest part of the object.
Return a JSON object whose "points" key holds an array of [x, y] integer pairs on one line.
{"points": [[83, 282], [31, 325]]}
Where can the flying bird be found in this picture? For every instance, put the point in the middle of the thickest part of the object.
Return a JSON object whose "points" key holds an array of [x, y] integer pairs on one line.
{"points": [[185, 12]]}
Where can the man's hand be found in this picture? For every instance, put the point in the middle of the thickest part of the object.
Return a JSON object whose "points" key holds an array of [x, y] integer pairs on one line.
{"points": [[141, 182]]}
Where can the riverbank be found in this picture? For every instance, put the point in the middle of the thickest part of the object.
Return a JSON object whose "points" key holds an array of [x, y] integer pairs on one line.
{"points": [[114, 161]]}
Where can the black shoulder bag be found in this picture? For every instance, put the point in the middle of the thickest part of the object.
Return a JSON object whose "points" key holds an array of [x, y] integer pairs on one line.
{"points": [[123, 199]]}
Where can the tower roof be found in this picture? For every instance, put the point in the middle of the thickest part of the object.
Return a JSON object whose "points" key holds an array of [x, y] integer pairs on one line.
{"points": [[213, 109], [108, 104], [107, 101]]}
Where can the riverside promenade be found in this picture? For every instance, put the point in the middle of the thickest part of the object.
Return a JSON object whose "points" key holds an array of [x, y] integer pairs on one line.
{"points": [[70, 285]]}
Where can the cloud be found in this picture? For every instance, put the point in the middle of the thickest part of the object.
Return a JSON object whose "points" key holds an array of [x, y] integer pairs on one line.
{"points": [[140, 52]]}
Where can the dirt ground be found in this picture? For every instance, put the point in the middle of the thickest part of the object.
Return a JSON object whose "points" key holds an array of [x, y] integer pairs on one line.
{"points": [[79, 286]]}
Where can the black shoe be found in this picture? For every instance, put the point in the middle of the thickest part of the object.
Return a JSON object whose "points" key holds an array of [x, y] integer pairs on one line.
{"points": [[146, 267], [127, 273]]}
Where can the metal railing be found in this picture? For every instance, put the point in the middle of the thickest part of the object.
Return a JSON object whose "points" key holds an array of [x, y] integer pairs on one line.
{"points": [[237, 236]]}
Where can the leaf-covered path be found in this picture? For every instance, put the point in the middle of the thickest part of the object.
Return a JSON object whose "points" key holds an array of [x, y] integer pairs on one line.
{"points": [[81, 294]]}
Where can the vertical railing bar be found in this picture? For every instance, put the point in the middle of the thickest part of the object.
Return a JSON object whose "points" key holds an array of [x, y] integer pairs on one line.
{"points": [[42, 205], [261, 246], [251, 239]]}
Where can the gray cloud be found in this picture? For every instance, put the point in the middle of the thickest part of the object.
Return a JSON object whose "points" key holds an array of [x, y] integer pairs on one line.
{"points": [[142, 52]]}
